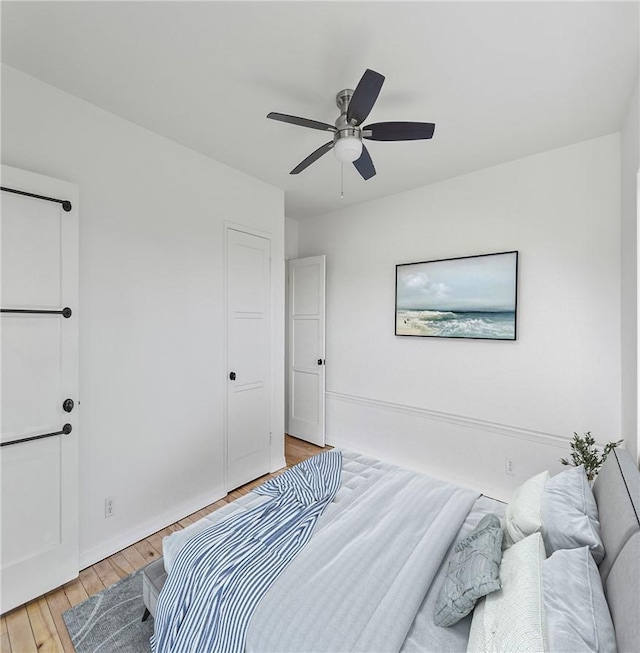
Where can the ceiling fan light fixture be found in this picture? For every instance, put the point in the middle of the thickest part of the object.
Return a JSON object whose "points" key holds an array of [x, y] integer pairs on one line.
{"points": [[347, 149]]}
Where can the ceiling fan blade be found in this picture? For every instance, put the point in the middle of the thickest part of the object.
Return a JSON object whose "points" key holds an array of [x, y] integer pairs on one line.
{"points": [[314, 156], [365, 96], [400, 131], [302, 122], [364, 165]]}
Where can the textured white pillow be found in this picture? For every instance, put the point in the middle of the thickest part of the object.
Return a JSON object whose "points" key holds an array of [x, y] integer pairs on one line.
{"points": [[512, 619], [570, 514], [472, 572], [523, 513]]}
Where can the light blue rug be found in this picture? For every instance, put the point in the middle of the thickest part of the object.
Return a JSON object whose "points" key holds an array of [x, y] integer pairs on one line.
{"points": [[111, 621]]}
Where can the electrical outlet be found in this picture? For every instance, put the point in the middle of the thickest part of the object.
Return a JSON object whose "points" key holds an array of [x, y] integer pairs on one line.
{"points": [[508, 466], [109, 507]]}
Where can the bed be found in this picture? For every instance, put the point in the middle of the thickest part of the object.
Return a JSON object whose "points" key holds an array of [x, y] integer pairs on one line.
{"points": [[393, 548]]}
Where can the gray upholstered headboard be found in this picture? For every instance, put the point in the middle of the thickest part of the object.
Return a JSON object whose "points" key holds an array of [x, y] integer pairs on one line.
{"points": [[617, 491]]}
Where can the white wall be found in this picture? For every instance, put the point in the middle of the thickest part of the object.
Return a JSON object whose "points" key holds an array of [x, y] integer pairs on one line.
{"points": [[153, 382], [457, 408], [630, 157], [291, 238]]}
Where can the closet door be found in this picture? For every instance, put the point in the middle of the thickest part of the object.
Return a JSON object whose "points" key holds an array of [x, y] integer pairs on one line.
{"points": [[39, 379], [248, 357], [306, 349]]}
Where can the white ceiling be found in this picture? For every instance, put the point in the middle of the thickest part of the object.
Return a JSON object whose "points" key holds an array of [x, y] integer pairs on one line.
{"points": [[501, 80]]}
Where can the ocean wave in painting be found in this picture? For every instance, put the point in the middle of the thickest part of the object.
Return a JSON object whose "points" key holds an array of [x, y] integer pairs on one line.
{"points": [[454, 324]]}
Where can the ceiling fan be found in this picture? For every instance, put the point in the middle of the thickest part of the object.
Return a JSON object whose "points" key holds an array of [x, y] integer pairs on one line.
{"points": [[355, 106]]}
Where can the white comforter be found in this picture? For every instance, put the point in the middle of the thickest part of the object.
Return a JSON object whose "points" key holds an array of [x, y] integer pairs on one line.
{"points": [[361, 579]]}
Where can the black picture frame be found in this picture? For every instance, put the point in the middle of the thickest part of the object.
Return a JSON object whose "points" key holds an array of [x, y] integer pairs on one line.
{"points": [[467, 297]]}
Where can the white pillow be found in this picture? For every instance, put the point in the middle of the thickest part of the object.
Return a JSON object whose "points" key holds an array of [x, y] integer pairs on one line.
{"points": [[512, 618], [570, 514], [576, 611], [523, 513]]}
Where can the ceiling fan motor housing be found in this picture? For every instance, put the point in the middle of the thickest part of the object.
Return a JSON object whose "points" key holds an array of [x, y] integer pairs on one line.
{"points": [[347, 141]]}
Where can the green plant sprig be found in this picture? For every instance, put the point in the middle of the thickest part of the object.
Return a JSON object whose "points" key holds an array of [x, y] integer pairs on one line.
{"points": [[584, 452]]}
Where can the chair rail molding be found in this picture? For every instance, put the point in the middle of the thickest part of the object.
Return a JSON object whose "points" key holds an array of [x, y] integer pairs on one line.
{"points": [[452, 418]]}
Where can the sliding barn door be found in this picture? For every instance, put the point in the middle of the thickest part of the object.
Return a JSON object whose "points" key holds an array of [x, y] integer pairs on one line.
{"points": [[306, 349], [248, 357], [39, 385]]}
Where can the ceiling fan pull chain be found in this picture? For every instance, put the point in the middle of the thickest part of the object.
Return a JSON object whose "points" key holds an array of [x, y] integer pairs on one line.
{"points": [[341, 180]]}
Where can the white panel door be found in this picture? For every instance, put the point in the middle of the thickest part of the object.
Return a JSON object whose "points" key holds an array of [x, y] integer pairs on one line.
{"points": [[248, 357], [39, 371], [306, 348]]}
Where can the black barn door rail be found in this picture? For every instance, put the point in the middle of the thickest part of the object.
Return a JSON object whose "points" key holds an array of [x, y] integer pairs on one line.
{"points": [[66, 429], [66, 204], [65, 312]]}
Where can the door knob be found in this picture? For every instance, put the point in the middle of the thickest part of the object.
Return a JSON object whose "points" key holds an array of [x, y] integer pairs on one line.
{"points": [[67, 405], [232, 376], [320, 361]]}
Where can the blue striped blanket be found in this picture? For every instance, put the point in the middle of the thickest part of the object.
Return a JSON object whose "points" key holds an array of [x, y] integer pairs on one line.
{"points": [[221, 574]]}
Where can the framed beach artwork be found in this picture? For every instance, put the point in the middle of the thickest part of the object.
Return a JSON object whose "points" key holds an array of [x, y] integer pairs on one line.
{"points": [[467, 297]]}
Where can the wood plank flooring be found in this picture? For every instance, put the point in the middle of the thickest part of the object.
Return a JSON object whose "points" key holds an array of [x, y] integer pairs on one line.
{"points": [[38, 627]]}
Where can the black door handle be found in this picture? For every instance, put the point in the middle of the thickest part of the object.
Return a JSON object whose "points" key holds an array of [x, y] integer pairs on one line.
{"points": [[232, 376], [320, 361], [67, 405]]}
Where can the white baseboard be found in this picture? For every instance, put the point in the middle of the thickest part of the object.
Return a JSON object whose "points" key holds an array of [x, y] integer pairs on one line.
{"points": [[126, 539]]}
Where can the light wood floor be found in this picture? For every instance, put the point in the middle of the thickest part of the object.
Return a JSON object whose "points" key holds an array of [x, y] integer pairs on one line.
{"points": [[38, 627]]}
